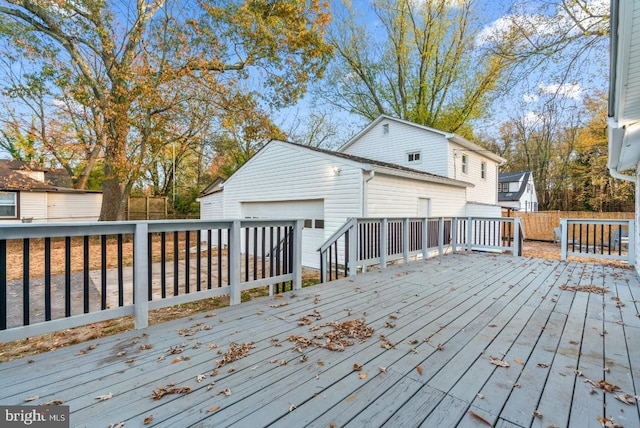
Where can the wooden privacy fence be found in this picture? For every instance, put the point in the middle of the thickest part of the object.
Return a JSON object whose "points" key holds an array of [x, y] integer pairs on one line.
{"points": [[538, 226], [147, 208]]}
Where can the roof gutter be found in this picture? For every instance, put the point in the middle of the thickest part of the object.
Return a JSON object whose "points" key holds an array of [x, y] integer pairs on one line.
{"points": [[616, 132]]}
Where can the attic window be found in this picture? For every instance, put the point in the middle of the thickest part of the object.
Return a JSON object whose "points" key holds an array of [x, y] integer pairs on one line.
{"points": [[483, 170], [413, 157], [465, 164], [8, 205], [385, 129]]}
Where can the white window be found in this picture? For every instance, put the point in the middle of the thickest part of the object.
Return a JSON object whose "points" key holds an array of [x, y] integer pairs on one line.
{"points": [[413, 157], [465, 164], [483, 170], [8, 205], [385, 128]]}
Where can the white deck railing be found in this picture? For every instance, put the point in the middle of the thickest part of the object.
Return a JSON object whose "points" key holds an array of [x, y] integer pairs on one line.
{"points": [[364, 242], [224, 258], [600, 239]]}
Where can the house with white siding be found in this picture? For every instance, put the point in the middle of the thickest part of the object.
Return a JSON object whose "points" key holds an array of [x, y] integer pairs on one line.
{"points": [[624, 101], [325, 188], [517, 191], [29, 193]]}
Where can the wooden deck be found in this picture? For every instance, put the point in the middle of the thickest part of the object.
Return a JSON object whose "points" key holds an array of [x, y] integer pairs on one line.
{"points": [[445, 317]]}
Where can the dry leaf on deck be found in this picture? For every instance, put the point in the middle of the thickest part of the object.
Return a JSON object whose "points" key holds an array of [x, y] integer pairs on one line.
{"points": [[200, 377], [382, 369], [542, 365], [498, 362], [440, 347], [148, 419], [537, 414], [226, 391], [32, 398], [477, 416], [626, 399], [213, 409], [419, 369], [518, 360], [118, 425], [363, 376], [53, 403], [104, 397], [357, 368]]}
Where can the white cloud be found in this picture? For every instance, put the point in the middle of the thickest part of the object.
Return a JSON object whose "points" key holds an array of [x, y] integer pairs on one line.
{"points": [[566, 90], [530, 98], [531, 119]]}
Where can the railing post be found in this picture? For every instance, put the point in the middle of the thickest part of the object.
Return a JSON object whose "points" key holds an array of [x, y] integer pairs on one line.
{"points": [[405, 240], [353, 247], [454, 234], [440, 236], [632, 243], [383, 243], [140, 279], [516, 237], [234, 263], [563, 238], [469, 233], [296, 269], [425, 238], [323, 268]]}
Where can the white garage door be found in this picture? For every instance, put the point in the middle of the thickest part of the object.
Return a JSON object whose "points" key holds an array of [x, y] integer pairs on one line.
{"points": [[312, 211]]}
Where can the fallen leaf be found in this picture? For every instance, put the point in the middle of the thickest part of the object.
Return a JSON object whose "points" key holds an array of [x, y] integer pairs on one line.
{"points": [[357, 368], [626, 399], [363, 376], [537, 414], [480, 418], [419, 369], [104, 397], [145, 347], [498, 362], [518, 360], [542, 365], [278, 296], [118, 425], [440, 347], [32, 398], [480, 396], [213, 409], [382, 369], [292, 407], [148, 419], [226, 391], [200, 377], [53, 403]]}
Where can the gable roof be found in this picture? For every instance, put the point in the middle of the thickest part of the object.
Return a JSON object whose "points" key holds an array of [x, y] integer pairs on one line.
{"points": [[455, 138], [510, 177], [356, 161]]}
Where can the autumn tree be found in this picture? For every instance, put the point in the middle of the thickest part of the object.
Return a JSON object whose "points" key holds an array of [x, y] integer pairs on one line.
{"points": [[132, 62], [421, 63]]}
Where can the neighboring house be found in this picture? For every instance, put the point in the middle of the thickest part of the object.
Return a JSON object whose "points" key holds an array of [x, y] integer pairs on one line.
{"points": [[29, 193], [517, 191], [624, 100], [426, 149], [325, 188]]}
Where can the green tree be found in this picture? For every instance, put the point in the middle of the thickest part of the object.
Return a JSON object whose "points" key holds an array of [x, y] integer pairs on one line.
{"points": [[421, 63], [131, 62]]}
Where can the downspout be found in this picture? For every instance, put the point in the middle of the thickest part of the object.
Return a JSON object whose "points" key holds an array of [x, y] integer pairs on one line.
{"points": [[616, 139], [365, 193]]}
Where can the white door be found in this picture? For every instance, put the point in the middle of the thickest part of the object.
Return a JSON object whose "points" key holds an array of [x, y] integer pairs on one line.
{"points": [[311, 211]]}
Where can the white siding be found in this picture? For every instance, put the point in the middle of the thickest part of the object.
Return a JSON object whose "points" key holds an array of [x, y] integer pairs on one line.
{"points": [[73, 207], [479, 210], [400, 140], [33, 205], [399, 197], [211, 206], [485, 190]]}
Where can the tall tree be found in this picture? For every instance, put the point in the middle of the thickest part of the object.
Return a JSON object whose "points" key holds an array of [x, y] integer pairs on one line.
{"points": [[131, 61], [419, 62]]}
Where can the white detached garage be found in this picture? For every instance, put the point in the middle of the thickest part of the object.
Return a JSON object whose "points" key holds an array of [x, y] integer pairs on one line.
{"points": [[290, 181]]}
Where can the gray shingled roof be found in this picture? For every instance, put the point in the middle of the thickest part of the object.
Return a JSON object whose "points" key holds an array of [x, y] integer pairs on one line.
{"points": [[511, 177]]}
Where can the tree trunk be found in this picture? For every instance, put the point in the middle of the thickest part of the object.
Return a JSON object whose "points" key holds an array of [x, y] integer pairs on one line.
{"points": [[114, 201]]}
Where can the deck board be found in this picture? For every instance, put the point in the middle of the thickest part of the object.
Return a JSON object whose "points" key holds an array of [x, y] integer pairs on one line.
{"points": [[473, 305]]}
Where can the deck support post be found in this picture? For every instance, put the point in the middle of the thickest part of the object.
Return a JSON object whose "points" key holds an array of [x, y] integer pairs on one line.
{"points": [[425, 238], [383, 243], [235, 251], [353, 248], [632, 243], [441, 235], [469, 233], [517, 251], [296, 281], [405, 241], [140, 279], [454, 234], [564, 233]]}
